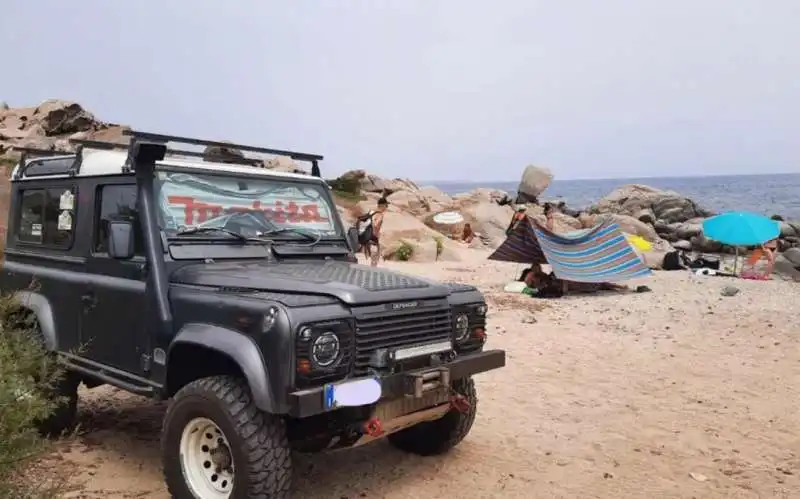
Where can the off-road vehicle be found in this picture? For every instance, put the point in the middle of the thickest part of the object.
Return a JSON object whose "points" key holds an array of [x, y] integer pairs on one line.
{"points": [[233, 291]]}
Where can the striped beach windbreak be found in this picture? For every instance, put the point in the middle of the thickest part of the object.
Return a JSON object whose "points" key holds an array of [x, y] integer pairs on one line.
{"points": [[600, 254]]}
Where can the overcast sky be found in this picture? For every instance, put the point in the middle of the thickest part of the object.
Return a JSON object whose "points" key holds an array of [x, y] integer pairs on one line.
{"points": [[433, 89]]}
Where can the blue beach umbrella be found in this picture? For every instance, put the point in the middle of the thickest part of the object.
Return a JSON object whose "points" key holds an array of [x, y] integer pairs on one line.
{"points": [[741, 228]]}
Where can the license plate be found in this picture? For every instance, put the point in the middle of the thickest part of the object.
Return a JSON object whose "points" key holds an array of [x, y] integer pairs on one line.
{"points": [[352, 393]]}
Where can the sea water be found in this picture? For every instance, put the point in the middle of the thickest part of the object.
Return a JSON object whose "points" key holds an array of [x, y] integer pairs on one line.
{"points": [[765, 194]]}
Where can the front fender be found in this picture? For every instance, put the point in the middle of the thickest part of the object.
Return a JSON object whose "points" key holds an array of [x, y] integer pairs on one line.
{"points": [[40, 306], [241, 349]]}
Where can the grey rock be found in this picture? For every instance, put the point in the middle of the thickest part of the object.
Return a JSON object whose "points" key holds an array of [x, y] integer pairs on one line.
{"points": [[729, 291], [682, 244], [788, 230], [705, 245], [785, 269], [792, 255], [688, 230]]}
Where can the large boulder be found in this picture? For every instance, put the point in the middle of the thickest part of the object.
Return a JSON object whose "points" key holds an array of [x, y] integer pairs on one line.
{"points": [[368, 182], [401, 228], [645, 202], [786, 269], [535, 180], [220, 154], [58, 117], [421, 202], [792, 255], [48, 126], [636, 227]]}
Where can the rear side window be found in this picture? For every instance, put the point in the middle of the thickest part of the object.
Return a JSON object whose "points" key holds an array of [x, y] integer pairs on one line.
{"points": [[117, 202], [47, 217]]}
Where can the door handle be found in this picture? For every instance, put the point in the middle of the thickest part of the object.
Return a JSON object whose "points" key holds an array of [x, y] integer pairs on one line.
{"points": [[89, 300]]}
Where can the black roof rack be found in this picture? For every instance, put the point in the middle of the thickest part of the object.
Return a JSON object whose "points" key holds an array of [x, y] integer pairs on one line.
{"points": [[98, 144], [48, 162], [157, 137], [72, 160]]}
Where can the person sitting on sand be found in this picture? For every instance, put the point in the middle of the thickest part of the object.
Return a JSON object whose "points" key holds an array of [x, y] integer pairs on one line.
{"points": [[467, 235], [766, 251]]}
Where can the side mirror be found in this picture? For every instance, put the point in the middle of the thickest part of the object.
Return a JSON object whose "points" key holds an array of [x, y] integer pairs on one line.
{"points": [[120, 240], [352, 238]]}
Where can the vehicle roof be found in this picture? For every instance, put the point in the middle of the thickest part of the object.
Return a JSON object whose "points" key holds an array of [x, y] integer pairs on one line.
{"points": [[98, 162]]}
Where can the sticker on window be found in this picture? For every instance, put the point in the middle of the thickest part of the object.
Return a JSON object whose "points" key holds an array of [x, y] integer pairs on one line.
{"points": [[67, 201], [65, 221], [36, 230], [262, 204]]}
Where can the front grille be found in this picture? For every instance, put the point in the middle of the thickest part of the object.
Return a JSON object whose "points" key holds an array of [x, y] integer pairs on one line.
{"points": [[399, 328]]}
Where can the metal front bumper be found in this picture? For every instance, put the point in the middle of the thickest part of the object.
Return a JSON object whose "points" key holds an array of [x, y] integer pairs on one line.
{"points": [[309, 402]]}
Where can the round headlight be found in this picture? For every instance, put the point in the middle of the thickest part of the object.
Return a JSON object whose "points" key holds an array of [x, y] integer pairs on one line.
{"points": [[325, 349], [481, 309], [462, 327]]}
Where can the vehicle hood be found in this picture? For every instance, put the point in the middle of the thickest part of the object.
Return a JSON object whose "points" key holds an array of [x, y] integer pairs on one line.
{"points": [[349, 282]]}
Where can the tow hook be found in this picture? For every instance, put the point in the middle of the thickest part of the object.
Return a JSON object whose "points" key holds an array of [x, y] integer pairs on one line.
{"points": [[373, 427], [460, 403]]}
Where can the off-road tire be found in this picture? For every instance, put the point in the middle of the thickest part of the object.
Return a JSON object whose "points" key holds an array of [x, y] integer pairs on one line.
{"points": [[62, 419], [440, 436], [258, 441]]}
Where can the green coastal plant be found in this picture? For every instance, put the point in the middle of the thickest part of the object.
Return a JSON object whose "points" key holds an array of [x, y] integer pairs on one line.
{"points": [[7, 162], [346, 187], [27, 377], [404, 252]]}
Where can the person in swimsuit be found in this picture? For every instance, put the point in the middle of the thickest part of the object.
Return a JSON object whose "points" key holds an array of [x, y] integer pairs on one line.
{"points": [[549, 216], [377, 225], [467, 235]]}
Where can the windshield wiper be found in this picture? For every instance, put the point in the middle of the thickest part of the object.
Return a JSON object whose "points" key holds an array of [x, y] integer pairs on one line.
{"points": [[201, 230], [314, 238]]}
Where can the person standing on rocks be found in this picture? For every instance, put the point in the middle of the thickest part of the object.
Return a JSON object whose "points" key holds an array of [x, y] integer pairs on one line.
{"points": [[369, 232], [549, 216]]}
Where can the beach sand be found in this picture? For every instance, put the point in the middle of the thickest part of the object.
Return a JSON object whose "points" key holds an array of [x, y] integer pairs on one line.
{"points": [[680, 392]]}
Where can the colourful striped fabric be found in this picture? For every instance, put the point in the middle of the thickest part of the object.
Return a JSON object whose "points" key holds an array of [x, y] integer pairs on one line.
{"points": [[601, 254], [521, 246]]}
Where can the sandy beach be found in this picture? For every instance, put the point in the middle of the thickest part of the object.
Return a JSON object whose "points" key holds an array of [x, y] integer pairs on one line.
{"points": [[681, 392]]}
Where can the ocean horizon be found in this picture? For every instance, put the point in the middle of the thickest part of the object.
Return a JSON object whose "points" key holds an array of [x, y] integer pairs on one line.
{"points": [[771, 194]]}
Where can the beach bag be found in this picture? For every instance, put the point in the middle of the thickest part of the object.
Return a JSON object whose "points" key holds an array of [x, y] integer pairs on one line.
{"points": [[364, 228], [673, 261]]}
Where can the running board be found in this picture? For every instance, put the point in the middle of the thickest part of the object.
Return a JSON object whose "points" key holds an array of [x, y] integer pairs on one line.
{"points": [[108, 374]]}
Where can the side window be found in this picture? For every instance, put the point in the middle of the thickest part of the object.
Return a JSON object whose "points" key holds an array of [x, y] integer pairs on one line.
{"points": [[47, 216], [115, 203]]}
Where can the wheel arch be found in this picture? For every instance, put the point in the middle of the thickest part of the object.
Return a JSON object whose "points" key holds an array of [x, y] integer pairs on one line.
{"points": [[40, 307], [201, 350]]}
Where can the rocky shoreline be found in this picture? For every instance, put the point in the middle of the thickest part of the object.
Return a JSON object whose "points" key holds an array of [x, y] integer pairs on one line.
{"points": [[665, 218]]}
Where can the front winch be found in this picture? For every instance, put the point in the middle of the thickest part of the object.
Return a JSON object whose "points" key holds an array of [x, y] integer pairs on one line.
{"points": [[420, 383]]}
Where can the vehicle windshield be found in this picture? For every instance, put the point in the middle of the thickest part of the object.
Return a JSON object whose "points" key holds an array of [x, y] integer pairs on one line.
{"points": [[197, 203]]}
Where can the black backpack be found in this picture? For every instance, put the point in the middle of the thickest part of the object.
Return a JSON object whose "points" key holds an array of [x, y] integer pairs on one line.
{"points": [[674, 260], [364, 228]]}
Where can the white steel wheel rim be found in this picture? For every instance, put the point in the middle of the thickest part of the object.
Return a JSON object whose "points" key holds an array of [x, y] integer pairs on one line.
{"points": [[206, 460]]}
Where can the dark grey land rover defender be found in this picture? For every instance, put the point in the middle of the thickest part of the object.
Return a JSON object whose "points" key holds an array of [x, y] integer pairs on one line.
{"points": [[233, 290]]}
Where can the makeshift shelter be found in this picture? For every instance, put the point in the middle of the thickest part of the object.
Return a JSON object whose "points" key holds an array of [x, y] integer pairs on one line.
{"points": [[600, 254]]}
